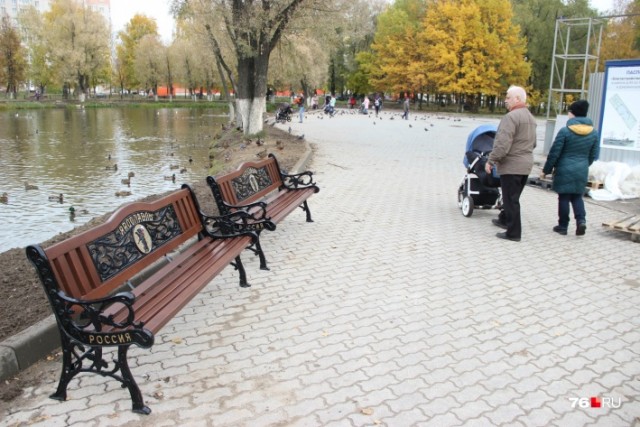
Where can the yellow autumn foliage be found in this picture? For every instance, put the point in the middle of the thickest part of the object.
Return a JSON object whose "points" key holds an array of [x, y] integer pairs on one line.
{"points": [[457, 46]]}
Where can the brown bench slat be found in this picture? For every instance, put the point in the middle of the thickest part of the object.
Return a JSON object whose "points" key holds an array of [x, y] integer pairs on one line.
{"points": [[73, 275], [286, 203], [158, 303]]}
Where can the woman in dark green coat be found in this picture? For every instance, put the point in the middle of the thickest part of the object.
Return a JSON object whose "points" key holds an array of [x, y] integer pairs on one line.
{"points": [[574, 149]]}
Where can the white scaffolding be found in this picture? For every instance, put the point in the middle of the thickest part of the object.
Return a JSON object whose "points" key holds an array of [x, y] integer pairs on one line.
{"points": [[570, 44]]}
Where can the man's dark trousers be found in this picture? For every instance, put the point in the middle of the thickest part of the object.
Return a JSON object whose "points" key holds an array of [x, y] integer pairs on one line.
{"points": [[512, 186]]}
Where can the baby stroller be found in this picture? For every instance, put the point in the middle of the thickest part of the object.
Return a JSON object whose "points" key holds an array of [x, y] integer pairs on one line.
{"points": [[478, 188], [283, 114]]}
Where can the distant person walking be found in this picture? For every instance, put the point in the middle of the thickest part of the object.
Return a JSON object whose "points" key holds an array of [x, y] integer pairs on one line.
{"points": [[405, 105], [512, 154], [377, 103], [352, 102], [576, 146], [365, 105], [301, 107]]}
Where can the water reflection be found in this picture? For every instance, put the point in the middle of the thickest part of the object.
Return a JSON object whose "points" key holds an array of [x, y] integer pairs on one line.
{"points": [[85, 155]]}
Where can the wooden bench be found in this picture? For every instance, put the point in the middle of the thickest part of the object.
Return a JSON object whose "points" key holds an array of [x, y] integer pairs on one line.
{"points": [[168, 246], [262, 190]]}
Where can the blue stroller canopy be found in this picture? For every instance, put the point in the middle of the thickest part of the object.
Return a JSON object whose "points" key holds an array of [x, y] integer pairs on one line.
{"points": [[480, 140]]}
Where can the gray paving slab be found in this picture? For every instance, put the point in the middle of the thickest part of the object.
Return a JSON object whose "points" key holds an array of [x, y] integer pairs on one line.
{"points": [[392, 308]]}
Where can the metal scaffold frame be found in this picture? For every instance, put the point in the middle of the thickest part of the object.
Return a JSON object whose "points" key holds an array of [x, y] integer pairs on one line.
{"points": [[566, 49]]}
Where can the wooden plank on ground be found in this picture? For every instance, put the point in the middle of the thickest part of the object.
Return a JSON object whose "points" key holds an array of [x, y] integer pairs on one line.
{"points": [[629, 224]]}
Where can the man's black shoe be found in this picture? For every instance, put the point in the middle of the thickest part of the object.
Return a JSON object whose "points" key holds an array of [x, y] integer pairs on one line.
{"points": [[504, 236], [561, 230], [581, 229], [497, 223]]}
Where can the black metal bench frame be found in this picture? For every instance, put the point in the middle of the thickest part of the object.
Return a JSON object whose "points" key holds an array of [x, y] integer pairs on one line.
{"points": [[88, 278]]}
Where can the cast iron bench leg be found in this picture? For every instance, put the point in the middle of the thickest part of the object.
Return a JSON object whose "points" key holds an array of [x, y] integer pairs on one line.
{"points": [[243, 275], [258, 251], [305, 207], [68, 369], [129, 382]]}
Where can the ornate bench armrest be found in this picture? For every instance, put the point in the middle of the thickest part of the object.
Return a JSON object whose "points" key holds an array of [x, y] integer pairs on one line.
{"points": [[235, 224], [86, 321], [256, 210], [92, 322], [298, 181]]}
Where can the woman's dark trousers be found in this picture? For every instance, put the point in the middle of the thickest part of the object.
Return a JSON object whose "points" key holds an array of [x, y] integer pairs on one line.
{"points": [[577, 203]]}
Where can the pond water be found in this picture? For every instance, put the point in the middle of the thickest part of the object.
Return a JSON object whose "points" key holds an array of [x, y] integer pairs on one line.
{"points": [[73, 152]]}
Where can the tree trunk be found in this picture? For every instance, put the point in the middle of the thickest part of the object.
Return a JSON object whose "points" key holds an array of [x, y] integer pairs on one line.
{"points": [[225, 89], [305, 88], [332, 77], [492, 103], [253, 47], [220, 64], [169, 81], [252, 89], [83, 82]]}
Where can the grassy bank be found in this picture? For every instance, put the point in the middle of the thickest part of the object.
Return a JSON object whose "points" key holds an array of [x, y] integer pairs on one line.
{"points": [[10, 105]]}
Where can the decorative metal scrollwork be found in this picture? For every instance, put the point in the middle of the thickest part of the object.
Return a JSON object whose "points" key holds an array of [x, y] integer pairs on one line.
{"points": [[137, 235], [236, 223], [86, 321], [297, 181], [251, 181]]}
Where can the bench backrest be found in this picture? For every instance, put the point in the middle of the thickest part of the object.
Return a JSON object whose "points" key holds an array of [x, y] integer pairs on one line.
{"points": [[249, 183], [98, 261]]}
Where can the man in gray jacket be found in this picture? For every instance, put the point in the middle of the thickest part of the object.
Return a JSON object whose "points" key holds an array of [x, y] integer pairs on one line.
{"points": [[512, 154]]}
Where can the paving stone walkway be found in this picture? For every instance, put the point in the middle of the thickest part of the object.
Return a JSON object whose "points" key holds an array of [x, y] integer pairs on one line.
{"points": [[392, 309]]}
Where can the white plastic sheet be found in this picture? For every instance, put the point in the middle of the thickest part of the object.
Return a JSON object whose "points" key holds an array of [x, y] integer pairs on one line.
{"points": [[620, 180]]}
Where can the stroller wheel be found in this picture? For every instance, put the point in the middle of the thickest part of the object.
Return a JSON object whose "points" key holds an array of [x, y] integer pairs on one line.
{"points": [[467, 206]]}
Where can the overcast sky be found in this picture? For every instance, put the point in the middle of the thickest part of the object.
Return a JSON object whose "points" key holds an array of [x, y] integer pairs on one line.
{"points": [[602, 5], [123, 10]]}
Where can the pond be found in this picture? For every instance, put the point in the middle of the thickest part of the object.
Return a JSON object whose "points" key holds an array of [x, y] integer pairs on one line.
{"points": [[86, 155]]}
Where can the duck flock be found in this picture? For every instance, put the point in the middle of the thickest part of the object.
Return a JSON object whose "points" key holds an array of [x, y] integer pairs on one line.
{"points": [[111, 166]]}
